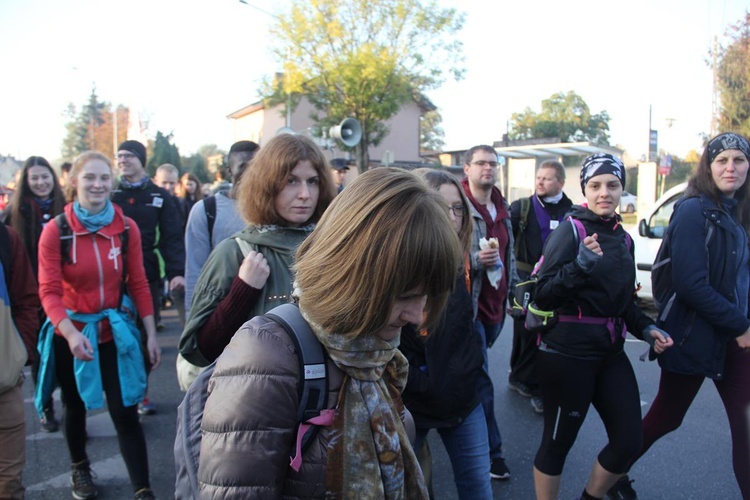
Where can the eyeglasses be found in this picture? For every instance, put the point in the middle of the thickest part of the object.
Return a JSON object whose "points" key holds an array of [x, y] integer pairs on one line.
{"points": [[482, 163], [458, 210], [124, 156]]}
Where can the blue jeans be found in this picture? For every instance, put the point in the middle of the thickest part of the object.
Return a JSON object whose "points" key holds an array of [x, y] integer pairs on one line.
{"points": [[469, 451], [487, 391]]}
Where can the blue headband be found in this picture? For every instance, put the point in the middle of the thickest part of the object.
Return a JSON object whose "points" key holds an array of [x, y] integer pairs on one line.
{"points": [[601, 163], [726, 141]]}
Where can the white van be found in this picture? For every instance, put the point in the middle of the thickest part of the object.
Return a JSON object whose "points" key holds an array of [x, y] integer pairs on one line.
{"points": [[648, 234]]}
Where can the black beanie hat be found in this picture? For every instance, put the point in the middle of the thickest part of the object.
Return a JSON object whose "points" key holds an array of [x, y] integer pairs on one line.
{"points": [[136, 148]]}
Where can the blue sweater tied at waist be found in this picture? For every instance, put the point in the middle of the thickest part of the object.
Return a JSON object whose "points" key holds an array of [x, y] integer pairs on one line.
{"points": [[130, 364]]}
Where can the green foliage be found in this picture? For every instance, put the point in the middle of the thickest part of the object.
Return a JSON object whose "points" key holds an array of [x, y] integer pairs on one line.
{"points": [[163, 152], [431, 134], [364, 58], [734, 79], [92, 127], [682, 169], [75, 141], [563, 115], [196, 165]]}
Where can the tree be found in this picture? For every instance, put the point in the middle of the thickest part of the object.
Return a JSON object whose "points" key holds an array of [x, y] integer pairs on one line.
{"points": [[733, 79], [163, 151], [196, 165], [364, 58], [93, 127], [431, 134], [564, 115]]}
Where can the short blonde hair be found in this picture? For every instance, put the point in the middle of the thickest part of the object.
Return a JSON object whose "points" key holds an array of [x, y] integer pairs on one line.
{"points": [[78, 163], [268, 172], [384, 235]]}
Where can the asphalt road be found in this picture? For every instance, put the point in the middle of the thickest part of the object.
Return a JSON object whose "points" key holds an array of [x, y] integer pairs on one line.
{"points": [[692, 463]]}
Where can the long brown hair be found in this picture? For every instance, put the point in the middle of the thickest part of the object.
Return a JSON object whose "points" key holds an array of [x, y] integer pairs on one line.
{"points": [[27, 227], [702, 182]]}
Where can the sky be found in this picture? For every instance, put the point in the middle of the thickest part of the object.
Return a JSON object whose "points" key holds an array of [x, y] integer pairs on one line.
{"points": [[186, 64]]}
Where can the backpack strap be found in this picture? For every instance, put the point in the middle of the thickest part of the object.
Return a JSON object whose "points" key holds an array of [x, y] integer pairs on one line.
{"points": [[209, 204], [66, 236], [522, 223], [6, 253], [578, 230]]}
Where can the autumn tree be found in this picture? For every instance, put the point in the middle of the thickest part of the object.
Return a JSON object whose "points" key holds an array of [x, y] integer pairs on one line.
{"points": [[364, 58], [93, 127], [733, 79], [163, 151], [563, 115]]}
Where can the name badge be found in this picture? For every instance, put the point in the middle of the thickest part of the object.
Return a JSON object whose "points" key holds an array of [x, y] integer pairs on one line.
{"points": [[553, 224], [157, 202]]}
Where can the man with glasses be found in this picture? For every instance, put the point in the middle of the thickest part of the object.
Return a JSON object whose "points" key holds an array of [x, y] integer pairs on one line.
{"points": [[159, 220], [491, 217], [533, 219]]}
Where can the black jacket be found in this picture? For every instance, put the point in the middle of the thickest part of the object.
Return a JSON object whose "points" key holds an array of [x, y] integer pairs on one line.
{"points": [[530, 242], [444, 366], [607, 292], [158, 218], [704, 318]]}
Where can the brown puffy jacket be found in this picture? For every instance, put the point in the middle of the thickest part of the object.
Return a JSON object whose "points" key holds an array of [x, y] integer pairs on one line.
{"points": [[250, 420]]}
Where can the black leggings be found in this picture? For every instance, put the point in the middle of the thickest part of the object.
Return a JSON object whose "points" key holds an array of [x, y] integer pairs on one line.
{"points": [[125, 418], [569, 387]]}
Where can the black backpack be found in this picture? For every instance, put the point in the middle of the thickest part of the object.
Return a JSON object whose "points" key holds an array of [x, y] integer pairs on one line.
{"points": [[313, 397], [209, 204], [662, 288]]}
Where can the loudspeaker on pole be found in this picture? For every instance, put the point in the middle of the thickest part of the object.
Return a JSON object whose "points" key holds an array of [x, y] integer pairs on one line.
{"points": [[349, 131]]}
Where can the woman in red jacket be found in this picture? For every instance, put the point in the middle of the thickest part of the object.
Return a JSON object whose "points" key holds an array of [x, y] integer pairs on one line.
{"points": [[83, 294]]}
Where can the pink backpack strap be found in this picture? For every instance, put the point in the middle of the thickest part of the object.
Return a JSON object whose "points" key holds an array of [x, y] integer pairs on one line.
{"points": [[578, 225], [324, 419]]}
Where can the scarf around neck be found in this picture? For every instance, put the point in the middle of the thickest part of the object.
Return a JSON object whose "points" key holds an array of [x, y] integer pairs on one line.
{"points": [[369, 455], [94, 222]]}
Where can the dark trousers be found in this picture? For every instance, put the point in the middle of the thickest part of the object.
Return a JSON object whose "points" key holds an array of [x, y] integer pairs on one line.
{"points": [[676, 394], [156, 287], [523, 357], [569, 387], [125, 418]]}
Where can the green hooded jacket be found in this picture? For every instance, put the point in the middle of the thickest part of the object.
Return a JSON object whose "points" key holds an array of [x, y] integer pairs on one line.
{"points": [[278, 245]]}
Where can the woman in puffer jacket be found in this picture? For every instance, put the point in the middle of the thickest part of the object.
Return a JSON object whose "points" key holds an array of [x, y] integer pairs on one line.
{"points": [[383, 255]]}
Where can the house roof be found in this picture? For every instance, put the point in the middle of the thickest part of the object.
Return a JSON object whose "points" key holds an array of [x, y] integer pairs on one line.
{"points": [[251, 108]]}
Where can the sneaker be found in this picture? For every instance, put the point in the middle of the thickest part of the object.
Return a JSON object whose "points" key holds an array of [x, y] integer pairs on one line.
{"points": [[81, 483], [146, 407], [498, 469], [622, 490], [160, 326], [537, 404], [48, 420], [521, 388], [144, 494]]}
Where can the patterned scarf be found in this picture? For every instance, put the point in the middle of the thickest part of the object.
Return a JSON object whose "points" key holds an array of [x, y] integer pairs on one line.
{"points": [[369, 455]]}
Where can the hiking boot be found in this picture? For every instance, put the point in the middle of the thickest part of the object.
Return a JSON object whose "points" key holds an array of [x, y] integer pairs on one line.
{"points": [[498, 469], [144, 494], [622, 490], [81, 483], [537, 404], [521, 388], [48, 420], [146, 407]]}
